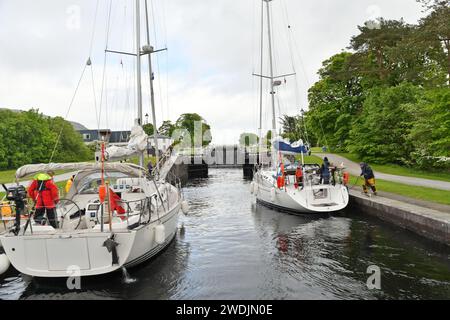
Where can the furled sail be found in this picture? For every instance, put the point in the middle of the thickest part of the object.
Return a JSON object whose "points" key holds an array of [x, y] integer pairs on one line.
{"points": [[137, 145], [285, 147]]}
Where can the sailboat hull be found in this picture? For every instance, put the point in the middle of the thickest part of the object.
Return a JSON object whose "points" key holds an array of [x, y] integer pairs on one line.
{"points": [[310, 199], [83, 253]]}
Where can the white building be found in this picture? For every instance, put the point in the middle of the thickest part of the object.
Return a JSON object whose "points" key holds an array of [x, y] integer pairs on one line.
{"points": [[163, 143]]}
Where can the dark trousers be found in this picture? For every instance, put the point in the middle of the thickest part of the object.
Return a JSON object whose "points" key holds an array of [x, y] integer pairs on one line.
{"points": [[325, 179], [39, 216]]}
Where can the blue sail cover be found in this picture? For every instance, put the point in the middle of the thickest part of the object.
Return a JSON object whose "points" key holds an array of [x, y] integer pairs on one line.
{"points": [[287, 148]]}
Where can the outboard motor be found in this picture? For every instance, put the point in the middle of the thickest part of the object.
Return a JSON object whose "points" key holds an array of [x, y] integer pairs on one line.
{"points": [[17, 194]]}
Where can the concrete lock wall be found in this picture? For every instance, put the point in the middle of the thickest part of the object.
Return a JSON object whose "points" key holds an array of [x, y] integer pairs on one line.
{"points": [[429, 223]]}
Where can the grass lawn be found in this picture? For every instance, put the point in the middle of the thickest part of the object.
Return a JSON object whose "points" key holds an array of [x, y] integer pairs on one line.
{"points": [[8, 176], [402, 171], [397, 169], [415, 192], [135, 160], [311, 159]]}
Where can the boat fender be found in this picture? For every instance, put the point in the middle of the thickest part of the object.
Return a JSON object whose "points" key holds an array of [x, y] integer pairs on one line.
{"points": [[4, 263], [272, 194], [160, 234], [252, 188], [185, 207]]}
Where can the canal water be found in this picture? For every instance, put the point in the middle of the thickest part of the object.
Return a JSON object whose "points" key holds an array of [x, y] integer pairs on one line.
{"points": [[230, 248]]}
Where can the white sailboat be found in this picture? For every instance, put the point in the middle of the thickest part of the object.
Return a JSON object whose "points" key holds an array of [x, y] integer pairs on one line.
{"points": [[313, 194], [93, 236]]}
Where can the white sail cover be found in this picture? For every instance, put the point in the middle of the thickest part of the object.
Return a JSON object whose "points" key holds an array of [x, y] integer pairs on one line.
{"points": [[137, 145], [126, 168]]}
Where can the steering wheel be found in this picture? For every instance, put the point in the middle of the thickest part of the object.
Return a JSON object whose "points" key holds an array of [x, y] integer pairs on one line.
{"points": [[66, 206]]}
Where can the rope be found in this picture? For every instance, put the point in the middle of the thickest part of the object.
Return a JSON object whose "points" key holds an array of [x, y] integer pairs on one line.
{"points": [[355, 183]]}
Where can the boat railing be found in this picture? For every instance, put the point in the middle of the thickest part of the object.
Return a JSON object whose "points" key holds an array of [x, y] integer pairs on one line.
{"points": [[144, 209]]}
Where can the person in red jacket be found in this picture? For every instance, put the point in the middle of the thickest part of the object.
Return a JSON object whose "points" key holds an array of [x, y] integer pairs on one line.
{"points": [[44, 193]]}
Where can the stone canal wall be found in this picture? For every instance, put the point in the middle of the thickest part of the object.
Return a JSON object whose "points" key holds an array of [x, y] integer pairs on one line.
{"points": [[429, 223]]}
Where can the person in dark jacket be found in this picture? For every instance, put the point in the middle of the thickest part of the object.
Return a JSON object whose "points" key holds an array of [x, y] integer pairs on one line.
{"points": [[150, 168], [369, 178], [45, 195], [325, 172]]}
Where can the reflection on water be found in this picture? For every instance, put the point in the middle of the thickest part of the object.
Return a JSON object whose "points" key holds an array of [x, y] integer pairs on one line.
{"points": [[230, 248]]}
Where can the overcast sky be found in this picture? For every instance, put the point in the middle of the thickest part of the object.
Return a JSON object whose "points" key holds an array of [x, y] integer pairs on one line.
{"points": [[213, 51]]}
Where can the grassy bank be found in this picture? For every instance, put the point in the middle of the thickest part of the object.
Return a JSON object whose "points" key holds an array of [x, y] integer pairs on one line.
{"points": [[395, 169], [414, 192], [400, 170]]}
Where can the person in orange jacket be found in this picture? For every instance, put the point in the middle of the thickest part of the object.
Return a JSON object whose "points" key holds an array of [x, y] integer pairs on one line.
{"points": [[299, 176], [44, 193]]}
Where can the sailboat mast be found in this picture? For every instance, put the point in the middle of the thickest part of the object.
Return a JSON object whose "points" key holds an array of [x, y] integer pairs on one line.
{"points": [[152, 90], [261, 85], [272, 79], [138, 71], [272, 83]]}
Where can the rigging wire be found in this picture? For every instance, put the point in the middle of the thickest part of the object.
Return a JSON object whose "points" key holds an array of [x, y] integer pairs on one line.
{"points": [[95, 98], [298, 54], [68, 111], [289, 41], [88, 63]]}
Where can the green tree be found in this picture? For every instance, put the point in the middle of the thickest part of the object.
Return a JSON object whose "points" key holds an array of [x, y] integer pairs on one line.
{"points": [[166, 128], [189, 121], [380, 134], [248, 139], [430, 132], [30, 137], [372, 46], [70, 147], [334, 101], [435, 33], [148, 129]]}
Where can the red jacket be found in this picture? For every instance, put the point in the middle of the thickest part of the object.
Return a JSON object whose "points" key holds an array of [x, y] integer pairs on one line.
{"points": [[46, 198]]}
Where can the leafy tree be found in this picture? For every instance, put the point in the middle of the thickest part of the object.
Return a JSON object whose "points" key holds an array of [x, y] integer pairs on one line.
{"points": [[380, 134], [148, 129], [166, 128], [70, 147], [334, 101], [248, 139], [430, 132], [435, 32], [372, 46], [30, 137], [192, 122]]}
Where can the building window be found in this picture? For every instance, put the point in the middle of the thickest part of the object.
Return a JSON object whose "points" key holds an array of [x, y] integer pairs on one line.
{"points": [[86, 136]]}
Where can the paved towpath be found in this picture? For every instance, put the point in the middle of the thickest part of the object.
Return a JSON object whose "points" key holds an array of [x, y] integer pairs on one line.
{"points": [[355, 170]]}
